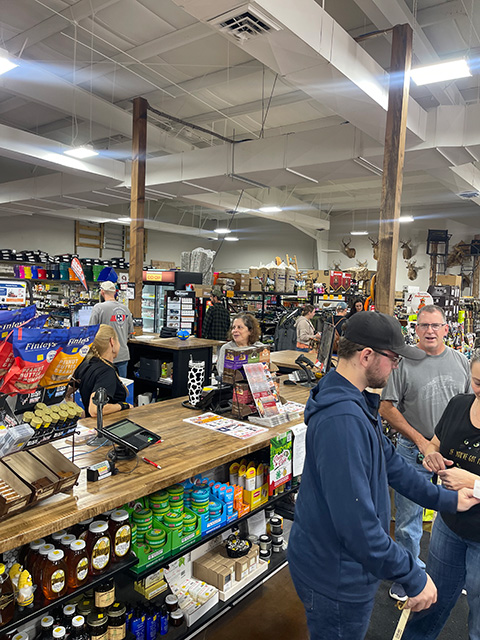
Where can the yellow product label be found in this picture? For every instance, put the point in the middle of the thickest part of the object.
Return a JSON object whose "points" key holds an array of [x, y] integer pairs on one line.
{"points": [[101, 553], [39, 358], [117, 633], [123, 539], [103, 636], [82, 569], [57, 581]]}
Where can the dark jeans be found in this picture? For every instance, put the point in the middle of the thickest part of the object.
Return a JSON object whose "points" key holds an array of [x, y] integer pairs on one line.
{"points": [[330, 619], [121, 367]]}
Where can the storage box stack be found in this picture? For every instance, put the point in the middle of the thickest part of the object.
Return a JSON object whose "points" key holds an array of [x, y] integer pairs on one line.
{"points": [[244, 282], [448, 298]]}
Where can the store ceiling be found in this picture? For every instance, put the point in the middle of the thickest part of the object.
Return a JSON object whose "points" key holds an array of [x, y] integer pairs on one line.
{"points": [[305, 96]]}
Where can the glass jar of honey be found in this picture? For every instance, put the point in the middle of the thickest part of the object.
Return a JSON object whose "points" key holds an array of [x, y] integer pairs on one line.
{"points": [[120, 534], [77, 563], [54, 575], [98, 547]]}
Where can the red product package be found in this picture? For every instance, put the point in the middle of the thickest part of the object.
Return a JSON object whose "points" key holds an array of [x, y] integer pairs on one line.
{"points": [[9, 320], [33, 350]]}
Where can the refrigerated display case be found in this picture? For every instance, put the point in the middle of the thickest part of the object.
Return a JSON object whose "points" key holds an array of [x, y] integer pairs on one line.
{"points": [[153, 306]]}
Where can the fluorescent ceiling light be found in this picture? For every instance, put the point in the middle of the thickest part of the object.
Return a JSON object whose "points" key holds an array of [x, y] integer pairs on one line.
{"points": [[124, 219], [366, 164], [452, 70], [223, 230], [301, 175], [253, 183], [231, 239], [5, 63], [81, 152], [359, 233], [199, 186], [270, 209], [170, 196], [406, 219]]}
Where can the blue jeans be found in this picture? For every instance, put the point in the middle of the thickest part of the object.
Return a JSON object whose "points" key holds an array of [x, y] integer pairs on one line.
{"points": [[453, 563], [121, 367], [331, 619], [408, 514], [304, 350]]}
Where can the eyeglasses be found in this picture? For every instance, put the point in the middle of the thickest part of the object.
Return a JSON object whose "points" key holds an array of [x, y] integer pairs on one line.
{"points": [[395, 359], [436, 326]]}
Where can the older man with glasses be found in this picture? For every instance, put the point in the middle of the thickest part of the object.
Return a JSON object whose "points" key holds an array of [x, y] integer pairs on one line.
{"points": [[412, 403]]}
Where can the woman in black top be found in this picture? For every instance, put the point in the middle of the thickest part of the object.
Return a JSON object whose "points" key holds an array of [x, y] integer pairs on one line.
{"points": [[454, 553], [97, 370]]}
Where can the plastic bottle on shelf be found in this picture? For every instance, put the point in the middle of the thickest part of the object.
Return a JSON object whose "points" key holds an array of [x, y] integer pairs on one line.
{"points": [[76, 559], [59, 633], [40, 563], [98, 547], [54, 576], [46, 628], [120, 534], [79, 629], [32, 553]]}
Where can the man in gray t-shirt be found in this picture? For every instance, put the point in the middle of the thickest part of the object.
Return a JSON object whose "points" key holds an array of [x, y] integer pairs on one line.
{"points": [[412, 403], [119, 317]]}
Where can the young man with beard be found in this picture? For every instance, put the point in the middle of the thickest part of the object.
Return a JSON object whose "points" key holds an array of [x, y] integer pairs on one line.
{"points": [[339, 547], [412, 403]]}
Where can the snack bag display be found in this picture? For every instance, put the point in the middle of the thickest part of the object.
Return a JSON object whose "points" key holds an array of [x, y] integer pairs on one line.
{"points": [[33, 350], [67, 360], [9, 320], [38, 322]]}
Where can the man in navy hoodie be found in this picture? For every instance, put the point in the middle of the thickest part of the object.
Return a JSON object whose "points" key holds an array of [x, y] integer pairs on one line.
{"points": [[339, 548]]}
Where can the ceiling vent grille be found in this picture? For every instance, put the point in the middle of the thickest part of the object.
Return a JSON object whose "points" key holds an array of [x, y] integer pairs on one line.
{"points": [[245, 23], [468, 195]]}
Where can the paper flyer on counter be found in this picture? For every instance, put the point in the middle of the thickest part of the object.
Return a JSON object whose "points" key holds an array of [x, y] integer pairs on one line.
{"points": [[227, 426]]}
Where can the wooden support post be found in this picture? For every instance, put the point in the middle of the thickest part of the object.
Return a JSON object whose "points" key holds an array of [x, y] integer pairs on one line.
{"points": [[393, 159], [476, 277], [137, 207]]}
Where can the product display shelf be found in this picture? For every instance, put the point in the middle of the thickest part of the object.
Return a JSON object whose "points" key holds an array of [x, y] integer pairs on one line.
{"points": [[43, 606], [211, 536], [277, 562]]}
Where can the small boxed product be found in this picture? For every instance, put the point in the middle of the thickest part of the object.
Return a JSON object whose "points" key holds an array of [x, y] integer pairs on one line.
{"points": [[237, 357]]}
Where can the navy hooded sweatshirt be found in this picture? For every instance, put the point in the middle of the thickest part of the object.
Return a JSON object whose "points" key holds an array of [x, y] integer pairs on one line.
{"points": [[339, 544]]}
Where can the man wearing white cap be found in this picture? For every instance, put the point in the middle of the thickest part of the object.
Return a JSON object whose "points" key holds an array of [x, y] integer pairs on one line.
{"points": [[119, 317]]}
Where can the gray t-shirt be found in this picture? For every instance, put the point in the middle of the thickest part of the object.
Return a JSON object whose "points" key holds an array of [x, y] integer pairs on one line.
{"points": [[119, 317], [421, 389]]}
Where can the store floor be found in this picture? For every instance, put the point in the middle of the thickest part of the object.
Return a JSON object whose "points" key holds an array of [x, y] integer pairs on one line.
{"points": [[274, 611]]}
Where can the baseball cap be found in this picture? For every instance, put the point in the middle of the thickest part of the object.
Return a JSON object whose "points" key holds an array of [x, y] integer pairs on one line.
{"points": [[342, 305], [217, 291], [380, 331], [108, 286]]}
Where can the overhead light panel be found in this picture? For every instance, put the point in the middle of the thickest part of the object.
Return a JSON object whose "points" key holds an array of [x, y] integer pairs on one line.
{"points": [[6, 63], [199, 186], [366, 164], [222, 230], [441, 72], [406, 219], [169, 196], [301, 175], [270, 209], [359, 233], [124, 219], [231, 238], [253, 183], [81, 152]]}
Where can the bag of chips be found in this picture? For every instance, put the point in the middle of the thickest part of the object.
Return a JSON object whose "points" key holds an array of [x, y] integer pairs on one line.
{"points": [[9, 320], [68, 359], [33, 350], [38, 322]]}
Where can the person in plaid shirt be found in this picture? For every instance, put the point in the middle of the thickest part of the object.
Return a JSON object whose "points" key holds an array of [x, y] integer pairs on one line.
{"points": [[217, 318]]}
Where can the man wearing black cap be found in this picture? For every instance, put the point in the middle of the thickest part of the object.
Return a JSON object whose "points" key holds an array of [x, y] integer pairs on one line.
{"points": [[339, 547]]}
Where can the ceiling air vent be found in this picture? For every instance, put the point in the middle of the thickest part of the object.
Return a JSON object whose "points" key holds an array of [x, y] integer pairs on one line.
{"points": [[467, 195], [245, 22]]}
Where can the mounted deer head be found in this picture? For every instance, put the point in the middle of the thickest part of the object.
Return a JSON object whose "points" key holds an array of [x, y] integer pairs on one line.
{"points": [[349, 251], [407, 249], [336, 266], [362, 270], [412, 269], [374, 242], [458, 254]]}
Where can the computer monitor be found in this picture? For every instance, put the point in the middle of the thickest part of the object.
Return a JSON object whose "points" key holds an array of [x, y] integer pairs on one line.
{"points": [[325, 347]]}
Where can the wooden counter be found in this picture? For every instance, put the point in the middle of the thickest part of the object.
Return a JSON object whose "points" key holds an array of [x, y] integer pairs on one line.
{"points": [[175, 344], [286, 359], [186, 451]]}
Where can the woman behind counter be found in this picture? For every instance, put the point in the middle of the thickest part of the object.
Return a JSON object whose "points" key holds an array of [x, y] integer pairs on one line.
{"points": [[454, 553], [98, 370], [305, 329], [244, 332]]}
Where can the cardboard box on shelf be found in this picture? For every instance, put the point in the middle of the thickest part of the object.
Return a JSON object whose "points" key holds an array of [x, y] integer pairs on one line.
{"points": [[455, 281], [255, 284]]}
